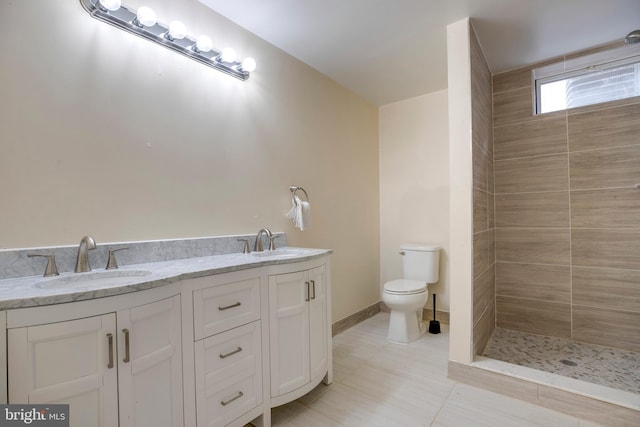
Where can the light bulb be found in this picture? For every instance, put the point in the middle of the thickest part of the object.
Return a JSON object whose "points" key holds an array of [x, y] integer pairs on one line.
{"points": [[228, 55], [177, 30], [248, 64], [111, 5], [146, 16], [203, 44]]}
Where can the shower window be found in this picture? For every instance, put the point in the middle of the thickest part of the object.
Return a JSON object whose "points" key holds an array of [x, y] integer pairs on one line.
{"points": [[601, 77]]}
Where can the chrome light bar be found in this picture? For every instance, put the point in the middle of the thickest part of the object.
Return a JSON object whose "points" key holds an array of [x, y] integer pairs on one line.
{"points": [[120, 16]]}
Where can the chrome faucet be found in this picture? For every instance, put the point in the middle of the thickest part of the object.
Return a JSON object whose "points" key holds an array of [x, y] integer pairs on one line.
{"points": [[82, 262], [258, 245]]}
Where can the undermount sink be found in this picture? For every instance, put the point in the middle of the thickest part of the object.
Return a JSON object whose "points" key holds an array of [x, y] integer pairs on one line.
{"points": [[98, 278], [281, 253]]}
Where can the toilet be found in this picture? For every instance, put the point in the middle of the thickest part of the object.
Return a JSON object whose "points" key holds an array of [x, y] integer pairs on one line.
{"points": [[406, 297]]}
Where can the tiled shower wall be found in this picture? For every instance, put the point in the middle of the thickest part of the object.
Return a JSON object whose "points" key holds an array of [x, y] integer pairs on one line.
{"points": [[567, 217], [483, 199]]}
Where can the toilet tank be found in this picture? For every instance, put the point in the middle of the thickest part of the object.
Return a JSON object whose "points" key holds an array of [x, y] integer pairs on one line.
{"points": [[421, 262]]}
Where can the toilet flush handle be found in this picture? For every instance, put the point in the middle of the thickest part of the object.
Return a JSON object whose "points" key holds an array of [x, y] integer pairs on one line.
{"points": [[402, 253]]}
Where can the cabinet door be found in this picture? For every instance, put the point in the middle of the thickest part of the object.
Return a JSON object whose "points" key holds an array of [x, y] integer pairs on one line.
{"points": [[318, 339], [150, 365], [67, 362], [289, 331]]}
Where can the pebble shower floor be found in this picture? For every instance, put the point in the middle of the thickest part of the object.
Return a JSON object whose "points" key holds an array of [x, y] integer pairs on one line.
{"points": [[610, 367]]}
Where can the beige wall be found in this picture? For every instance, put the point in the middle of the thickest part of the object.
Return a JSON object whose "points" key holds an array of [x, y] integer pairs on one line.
{"points": [[414, 184], [567, 217], [107, 134]]}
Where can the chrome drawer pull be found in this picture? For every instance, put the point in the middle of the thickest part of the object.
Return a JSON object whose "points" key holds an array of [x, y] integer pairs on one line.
{"points": [[126, 345], [313, 287], [224, 356], [110, 340], [238, 304], [236, 397], [308, 296]]}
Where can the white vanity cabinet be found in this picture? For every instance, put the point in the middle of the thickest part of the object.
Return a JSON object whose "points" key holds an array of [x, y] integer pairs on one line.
{"points": [[218, 348], [226, 347], [122, 368], [299, 329]]}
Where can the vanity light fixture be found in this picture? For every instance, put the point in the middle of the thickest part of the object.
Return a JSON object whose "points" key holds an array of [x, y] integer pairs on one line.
{"points": [[248, 65], [228, 55], [202, 45], [143, 23], [111, 5], [145, 17], [177, 31]]}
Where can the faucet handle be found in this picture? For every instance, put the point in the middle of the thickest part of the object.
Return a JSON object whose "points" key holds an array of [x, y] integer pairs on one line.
{"points": [[246, 249], [51, 269], [272, 244], [112, 263]]}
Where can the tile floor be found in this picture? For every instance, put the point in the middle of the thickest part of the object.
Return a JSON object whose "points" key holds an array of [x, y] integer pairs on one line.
{"points": [[381, 384], [610, 367]]}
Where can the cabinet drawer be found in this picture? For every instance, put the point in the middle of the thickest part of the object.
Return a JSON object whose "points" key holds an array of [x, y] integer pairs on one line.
{"points": [[231, 400], [239, 346], [219, 308], [228, 375]]}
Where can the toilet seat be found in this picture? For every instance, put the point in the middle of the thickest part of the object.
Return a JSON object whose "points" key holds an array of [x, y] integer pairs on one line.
{"points": [[405, 287]]}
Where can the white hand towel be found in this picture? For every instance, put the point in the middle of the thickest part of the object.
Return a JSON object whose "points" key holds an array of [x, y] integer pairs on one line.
{"points": [[299, 213], [294, 213], [305, 208]]}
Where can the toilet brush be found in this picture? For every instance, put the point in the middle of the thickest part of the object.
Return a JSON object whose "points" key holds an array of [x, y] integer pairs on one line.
{"points": [[434, 325]]}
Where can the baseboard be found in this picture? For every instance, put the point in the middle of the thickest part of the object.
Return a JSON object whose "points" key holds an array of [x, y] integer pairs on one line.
{"points": [[355, 318], [373, 309], [427, 314], [441, 316]]}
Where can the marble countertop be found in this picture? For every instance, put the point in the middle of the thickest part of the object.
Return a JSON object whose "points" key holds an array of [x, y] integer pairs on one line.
{"points": [[36, 291]]}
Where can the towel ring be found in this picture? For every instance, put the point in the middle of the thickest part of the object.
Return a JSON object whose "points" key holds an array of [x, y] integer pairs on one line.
{"points": [[293, 189]]}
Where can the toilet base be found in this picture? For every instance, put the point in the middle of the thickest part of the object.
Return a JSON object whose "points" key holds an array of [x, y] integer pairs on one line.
{"points": [[405, 326]]}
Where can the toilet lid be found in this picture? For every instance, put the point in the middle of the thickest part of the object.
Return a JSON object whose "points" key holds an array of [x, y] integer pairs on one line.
{"points": [[405, 286]]}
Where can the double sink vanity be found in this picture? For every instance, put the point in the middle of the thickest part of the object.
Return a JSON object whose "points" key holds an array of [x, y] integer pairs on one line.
{"points": [[187, 339]]}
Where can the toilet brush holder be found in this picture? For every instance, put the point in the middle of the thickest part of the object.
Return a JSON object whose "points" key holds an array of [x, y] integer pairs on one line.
{"points": [[434, 325]]}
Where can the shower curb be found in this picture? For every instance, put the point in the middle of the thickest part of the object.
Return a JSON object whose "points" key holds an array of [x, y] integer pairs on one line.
{"points": [[599, 404]]}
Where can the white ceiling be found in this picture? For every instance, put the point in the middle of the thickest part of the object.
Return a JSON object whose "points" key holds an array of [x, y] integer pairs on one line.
{"points": [[390, 50]]}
